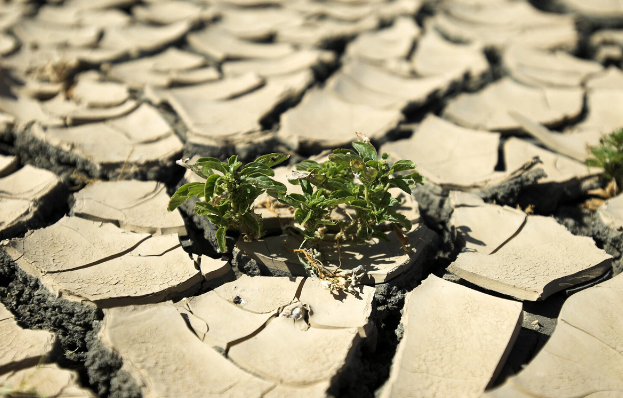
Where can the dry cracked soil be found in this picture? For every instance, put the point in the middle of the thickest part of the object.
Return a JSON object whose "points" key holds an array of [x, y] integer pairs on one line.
{"points": [[511, 286]]}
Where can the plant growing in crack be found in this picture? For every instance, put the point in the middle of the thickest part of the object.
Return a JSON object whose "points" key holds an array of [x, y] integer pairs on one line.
{"points": [[609, 156], [360, 180], [229, 192]]}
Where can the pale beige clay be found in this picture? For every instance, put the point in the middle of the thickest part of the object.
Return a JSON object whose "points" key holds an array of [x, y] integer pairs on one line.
{"points": [[20, 348], [220, 45], [434, 55], [611, 213], [500, 24], [140, 139], [530, 261], [455, 341], [603, 115], [483, 227], [382, 260], [488, 109], [94, 94], [572, 144], [84, 260], [167, 12], [136, 206], [212, 121], [382, 45], [323, 119], [449, 155], [316, 32], [142, 37], [361, 83], [259, 344], [8, 164], [598, 9], [21, 196], [298, 61], [46, 380], [583, 356], [547, 69], [171, 67], [611, 78], [256, 23], [559, 168]]}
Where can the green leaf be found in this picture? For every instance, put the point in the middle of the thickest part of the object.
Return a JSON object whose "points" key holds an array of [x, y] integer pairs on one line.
{"points": [[400, 183], [220, 238], [307, 165], [210, 185], [267, 183], [344, 157], [252, 221], [185, 192], [398, 218], [272, 159], [204, 208], [365, 149], [252, 169], [307, 188], [402, 165], [344, 150], [214, 219], [212, 163]]}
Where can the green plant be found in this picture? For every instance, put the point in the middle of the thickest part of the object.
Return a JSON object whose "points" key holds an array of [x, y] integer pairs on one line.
{"points": [[357, 179], [229, 192], [609, 156]]}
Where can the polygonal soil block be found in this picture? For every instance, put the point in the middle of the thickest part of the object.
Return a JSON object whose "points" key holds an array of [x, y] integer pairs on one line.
{"points": [[361, 83], [383, 261], [583, 356], [302, 59], [572, 144], [135, 206], [501, 24], [47, 380], [21, 348], [97, 262], [455, 341], [559, 168], [25, 196], [527, 257], [171, 67], [540, 68], [8, 164], [488, 109], [602, 111], [320, 32], [435, 55], [139, 143], [385, 44], [138, 37], [324, 120], [174, 350], [448, 155]]}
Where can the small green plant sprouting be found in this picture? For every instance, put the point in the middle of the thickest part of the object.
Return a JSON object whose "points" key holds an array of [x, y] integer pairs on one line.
{"points": [[609, 156], [229, 192], [358, 179]]}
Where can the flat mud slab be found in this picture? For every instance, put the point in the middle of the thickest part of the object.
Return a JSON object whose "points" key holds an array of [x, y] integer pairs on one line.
{"points": [[478, 333], [582, 357], [252, 357], [383, 261], [27, 197], [44, 380], [139, 145], [500, 24], [435, 55], [489, 109], [97, 262], [359, 82], [539, 257], [540, 68], [136, 206], [450, 156]]}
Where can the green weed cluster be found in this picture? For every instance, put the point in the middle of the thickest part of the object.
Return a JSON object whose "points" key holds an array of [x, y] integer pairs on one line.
{"points": [[609, 156]]}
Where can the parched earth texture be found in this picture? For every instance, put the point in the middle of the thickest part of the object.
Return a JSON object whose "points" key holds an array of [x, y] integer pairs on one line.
{"points": [[511, 286]]}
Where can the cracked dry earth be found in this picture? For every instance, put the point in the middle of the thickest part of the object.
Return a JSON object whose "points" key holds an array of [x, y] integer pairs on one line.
{"points": [[512, 284]]}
